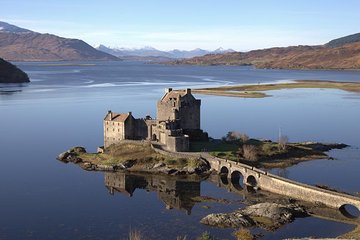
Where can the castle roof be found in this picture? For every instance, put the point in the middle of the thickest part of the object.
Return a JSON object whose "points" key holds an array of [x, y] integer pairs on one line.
{"points": [[174, 94], [117, 117]]}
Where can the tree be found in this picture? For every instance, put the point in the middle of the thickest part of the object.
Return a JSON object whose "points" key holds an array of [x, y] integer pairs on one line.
{"points": [[283, 141], [250, 152]]}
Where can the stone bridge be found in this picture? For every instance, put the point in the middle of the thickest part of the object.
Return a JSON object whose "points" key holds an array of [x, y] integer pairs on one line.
{"points": [[243, 174]]}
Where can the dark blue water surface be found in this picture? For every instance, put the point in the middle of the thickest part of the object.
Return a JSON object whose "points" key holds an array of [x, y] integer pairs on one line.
{"points": [[63, 106]]}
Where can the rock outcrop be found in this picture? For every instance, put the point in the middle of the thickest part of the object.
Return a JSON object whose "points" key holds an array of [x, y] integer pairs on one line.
{"points": [[269, 216], [9, 73]]}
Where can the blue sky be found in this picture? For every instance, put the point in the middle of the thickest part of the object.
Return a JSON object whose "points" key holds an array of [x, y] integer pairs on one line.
{"points": [[188, 24]]}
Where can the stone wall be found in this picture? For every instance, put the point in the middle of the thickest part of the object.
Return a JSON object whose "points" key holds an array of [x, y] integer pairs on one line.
{"points": [[177, 143], [113, 132]]}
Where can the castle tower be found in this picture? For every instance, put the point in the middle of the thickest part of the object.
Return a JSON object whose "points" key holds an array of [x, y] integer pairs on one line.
{"points": [[180, 105]]}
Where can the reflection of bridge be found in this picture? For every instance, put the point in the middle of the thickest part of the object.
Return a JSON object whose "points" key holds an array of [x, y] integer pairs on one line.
{"points": [[251, 196], [174, 192], [250, 176]]}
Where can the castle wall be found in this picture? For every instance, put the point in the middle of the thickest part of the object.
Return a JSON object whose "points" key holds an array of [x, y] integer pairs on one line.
{"points": [[189, 114], [140, 130], [186, 109], [177, 143], [113, 132]]}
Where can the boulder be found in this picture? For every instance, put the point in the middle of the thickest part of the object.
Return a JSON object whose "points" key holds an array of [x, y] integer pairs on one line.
{"points": [[227, 220], [63, 156], [159, 165], [77, 150], [269, 216]]}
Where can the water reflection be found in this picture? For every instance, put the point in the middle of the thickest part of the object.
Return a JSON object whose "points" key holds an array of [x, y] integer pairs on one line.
{"points": [[175, 192], [181, 192]]}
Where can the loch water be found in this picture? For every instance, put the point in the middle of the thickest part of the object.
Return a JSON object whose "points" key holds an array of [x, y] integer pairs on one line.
{"points": [[63, 106]]}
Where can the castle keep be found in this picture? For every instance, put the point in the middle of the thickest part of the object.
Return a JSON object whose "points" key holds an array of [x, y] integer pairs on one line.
{"points": [[177, 123]]}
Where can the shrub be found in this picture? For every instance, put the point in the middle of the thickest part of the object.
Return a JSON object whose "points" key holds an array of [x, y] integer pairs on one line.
{"points": [[205, 236], [243, 234], [267, 148], [244, 138], [250, 152], [135, 235], [232, 136], [283, 141]]}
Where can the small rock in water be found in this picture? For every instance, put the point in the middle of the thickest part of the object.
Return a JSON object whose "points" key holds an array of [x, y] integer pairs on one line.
{"points": [[63, 156], [233, 220]]}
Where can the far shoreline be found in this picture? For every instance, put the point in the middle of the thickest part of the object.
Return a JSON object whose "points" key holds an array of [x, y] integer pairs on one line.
{"points": [[258, 90]]}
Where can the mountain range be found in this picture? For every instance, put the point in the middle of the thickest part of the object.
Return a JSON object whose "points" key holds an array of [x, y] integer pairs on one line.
{"points": [[341, 53], [150, 52], [19, 44]]}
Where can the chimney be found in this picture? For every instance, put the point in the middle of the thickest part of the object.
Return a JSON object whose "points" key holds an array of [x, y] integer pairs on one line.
{"points": [[188, 91], [167, 90], [130, 113], [110, 114]]}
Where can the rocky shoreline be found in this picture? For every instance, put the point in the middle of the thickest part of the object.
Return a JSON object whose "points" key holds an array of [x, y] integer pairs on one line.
{"points": [[73, 155], [269, 216]]}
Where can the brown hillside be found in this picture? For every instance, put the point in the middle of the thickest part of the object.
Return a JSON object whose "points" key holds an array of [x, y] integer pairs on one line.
{"points": [[299, 57], [46, 47]]}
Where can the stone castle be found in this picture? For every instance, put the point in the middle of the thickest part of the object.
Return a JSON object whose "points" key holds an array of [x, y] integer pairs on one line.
{"points": [[176, 124]]}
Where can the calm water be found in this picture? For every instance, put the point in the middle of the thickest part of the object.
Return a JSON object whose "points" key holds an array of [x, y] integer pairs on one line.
{"points": [[41, 198]]}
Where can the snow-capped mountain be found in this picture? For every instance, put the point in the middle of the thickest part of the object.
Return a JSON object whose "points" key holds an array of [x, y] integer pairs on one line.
{"points": [[153, 52], [6, 27]]}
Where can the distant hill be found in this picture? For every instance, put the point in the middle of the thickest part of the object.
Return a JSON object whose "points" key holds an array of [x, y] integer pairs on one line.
{"points": [[18, 44], [344, 40], [9, 73], [328, 56], [147, 52]]}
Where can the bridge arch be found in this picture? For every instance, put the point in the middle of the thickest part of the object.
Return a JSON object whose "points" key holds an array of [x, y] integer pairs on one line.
{"points": [[224, 173], [251, 181], [350, 211], [237, 180]]}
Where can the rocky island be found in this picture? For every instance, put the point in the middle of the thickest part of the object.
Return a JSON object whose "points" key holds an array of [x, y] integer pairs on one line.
{"points": [[174, 143], [9, 73]]}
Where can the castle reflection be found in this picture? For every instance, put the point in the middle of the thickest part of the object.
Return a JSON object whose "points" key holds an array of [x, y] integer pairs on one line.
{"points": [[175, 192], [178, 192]]}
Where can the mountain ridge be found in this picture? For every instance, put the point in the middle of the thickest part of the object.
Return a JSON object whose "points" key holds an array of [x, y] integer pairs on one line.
{"points": [[148, 51], [341, 53], [19, 44]]}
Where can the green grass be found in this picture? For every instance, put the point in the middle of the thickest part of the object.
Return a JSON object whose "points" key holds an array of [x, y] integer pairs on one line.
{"points": [[217, 148], [142, 153], [268, 153]]}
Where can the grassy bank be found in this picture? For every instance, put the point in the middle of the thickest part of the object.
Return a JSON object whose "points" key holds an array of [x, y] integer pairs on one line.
{"points": [[141, 153], [265, 153], [256, 90]]}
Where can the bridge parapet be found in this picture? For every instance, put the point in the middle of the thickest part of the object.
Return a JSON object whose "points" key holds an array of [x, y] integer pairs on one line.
{"points": [[273, 183]]}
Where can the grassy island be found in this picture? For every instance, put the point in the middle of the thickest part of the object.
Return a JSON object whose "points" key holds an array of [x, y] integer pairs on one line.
{"points": [[137, 156], [256, 90]]}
